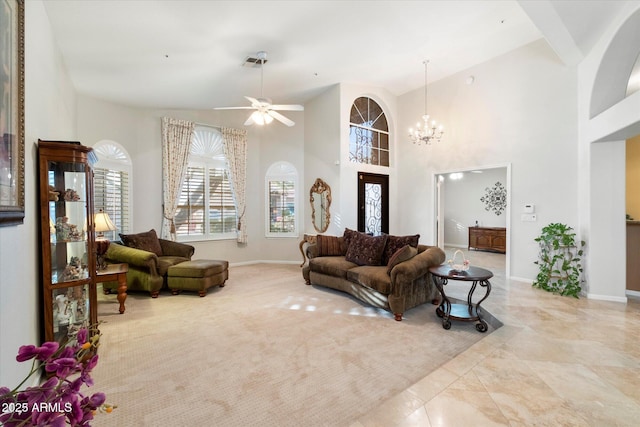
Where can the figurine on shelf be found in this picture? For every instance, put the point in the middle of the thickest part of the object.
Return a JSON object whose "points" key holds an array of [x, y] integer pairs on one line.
{"points": [[70, 273], [62, 305], [70, 195], [53, 194], [62, 228], [75, 235], [66, 232]]}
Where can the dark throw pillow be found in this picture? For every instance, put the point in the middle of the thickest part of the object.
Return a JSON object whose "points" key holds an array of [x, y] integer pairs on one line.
{"points": [[330, 245], [145, 241], [366, 250], [394, 243], [347, 236], [406, 253]]}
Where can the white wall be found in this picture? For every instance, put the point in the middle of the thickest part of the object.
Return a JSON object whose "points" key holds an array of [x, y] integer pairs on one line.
{"points": [[462, 205], [49, 114], [602, 83], [139, 132], [321, 152], [520, 110]]}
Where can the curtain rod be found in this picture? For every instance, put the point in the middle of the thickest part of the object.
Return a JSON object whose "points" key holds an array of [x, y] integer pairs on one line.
{"points": [[208, 125]]}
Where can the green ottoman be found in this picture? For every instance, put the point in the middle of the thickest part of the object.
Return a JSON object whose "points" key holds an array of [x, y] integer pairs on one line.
{"points": [[197, 275]]}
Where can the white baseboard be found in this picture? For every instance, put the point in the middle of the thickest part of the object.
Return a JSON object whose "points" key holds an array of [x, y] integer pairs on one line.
{"points": [[635, 294], [237, 264], [607, 298], [453, 245], [521, 279]]}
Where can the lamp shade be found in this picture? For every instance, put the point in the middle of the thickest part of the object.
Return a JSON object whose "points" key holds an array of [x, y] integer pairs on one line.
{"points": [[102, 222]]}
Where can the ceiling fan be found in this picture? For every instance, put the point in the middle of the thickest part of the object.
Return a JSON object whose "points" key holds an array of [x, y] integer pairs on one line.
{"points": [[265, 111]]}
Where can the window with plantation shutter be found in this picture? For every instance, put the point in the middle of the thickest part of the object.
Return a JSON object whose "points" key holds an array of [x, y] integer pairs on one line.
{"points": [[206, 208], [112, 186], [282, 200]]}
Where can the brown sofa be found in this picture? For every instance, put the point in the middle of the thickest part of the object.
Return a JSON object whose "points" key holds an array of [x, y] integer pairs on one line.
{"points": [[395, 278]]}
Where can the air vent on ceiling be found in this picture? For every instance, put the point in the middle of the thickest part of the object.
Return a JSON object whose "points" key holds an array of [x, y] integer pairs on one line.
{"points": [[253, 62]]}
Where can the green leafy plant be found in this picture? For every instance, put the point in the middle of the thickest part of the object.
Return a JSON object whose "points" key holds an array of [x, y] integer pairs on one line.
{"points": [[559, 260]]}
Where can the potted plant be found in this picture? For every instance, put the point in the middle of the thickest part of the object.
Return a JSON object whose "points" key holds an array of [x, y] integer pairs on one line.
{"points": [[559, 260]]}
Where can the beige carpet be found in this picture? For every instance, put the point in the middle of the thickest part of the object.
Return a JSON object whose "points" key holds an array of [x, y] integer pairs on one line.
{"points": [[265, 350]]}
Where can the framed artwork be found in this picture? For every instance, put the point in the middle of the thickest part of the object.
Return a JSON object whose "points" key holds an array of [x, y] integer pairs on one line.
{"points": [[11, 112]]}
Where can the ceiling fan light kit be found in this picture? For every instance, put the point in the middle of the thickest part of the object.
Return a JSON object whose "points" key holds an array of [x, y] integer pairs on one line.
{"points": [[265, 111]]}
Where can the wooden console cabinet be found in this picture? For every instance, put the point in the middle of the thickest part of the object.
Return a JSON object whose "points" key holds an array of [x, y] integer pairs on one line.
{"points": [[488, 239]]}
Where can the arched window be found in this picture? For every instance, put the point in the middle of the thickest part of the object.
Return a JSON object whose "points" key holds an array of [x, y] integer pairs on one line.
{"points": [[281, 186], [368, 133], [112, 184], [206, 209]]}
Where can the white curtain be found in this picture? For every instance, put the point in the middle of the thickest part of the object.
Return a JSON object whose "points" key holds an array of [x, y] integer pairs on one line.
{"points": [[176, 142], [235, 150]]}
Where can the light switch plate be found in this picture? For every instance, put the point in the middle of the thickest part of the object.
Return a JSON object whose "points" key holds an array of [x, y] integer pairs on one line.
{"points": [[528, 218]]}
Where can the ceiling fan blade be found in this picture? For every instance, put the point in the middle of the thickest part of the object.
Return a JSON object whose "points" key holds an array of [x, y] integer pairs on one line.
{"points": [[254, 101], [281, 118], [234, 108], [292, 107]]}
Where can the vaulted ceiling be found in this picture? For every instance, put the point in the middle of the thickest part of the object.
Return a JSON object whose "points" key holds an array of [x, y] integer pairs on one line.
{"points": [[189, 54]]}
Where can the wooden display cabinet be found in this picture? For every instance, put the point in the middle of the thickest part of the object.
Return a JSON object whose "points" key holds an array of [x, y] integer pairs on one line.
{"points": [[488, 239], [68, 244]]}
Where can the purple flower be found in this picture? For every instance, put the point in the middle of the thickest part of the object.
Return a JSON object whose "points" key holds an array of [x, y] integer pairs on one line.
{"points": [[82, 336], [67, 352], [42, 393], [27, 352], [62, 366], [68, 369], [45, 418], [76, 414], [97, 399], [91, 363]]}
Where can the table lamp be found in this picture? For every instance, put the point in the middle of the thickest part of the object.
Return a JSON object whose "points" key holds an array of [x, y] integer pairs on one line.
{"points": [[102, 223]]}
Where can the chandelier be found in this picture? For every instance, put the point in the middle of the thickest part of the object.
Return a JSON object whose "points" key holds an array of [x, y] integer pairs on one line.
{"points": [[426, 131]]}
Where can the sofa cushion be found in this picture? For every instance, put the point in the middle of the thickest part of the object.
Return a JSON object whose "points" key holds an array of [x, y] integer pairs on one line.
{"points": [[405, 253], [147, 241], [330, 245], [366, 250], [374, 277], [164, 262], [394, 243], [336, 266]]}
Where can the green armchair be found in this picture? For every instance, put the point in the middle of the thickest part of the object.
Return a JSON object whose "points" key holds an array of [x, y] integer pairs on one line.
{"points": [[147, 270]]}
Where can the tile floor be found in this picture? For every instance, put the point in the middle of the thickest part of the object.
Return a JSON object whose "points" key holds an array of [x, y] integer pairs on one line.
{"points": [[557, 361]]}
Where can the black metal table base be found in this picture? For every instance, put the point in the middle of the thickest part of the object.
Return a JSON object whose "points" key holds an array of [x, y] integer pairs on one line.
{"points": [[469, 312]]}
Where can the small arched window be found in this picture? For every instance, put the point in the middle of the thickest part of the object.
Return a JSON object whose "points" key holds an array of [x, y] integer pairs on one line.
{"points": [[368, 133], [281, 182], [112, 184]]}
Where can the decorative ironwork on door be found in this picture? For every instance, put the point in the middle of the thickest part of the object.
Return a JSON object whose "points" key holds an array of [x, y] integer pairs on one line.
{"points": [[373, 205], [373, 208]]}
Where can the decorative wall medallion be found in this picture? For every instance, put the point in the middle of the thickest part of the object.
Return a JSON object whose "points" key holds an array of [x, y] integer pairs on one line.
{"points": [[495, 199]]}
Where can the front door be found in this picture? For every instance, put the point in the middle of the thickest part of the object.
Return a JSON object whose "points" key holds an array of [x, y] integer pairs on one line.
{"points": [[373, 203]]}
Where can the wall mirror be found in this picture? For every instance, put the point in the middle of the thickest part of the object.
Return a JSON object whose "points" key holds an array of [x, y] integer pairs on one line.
{"points": [[320, 199]]}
